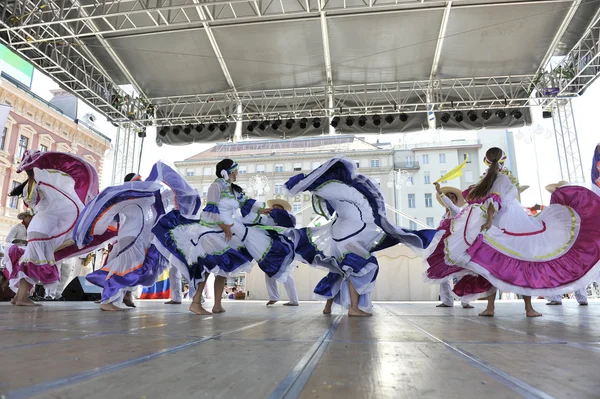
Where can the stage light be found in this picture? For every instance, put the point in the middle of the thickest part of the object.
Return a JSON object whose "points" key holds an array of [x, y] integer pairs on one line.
{"points": [[472, 115], [200, 127], [403, 117], [487, 114], [458, 116], [316, 123], [163, 132], [445, 117], [223, 126], [389, 119], [212, 127], [176, 130], [188, 129], [335, 122], [276, 124], [349, 121], [546, 114], [515, 113], [376, 120], [303, 123], [362, 121], [142, 133], [289, 124], [251, 126], [501, 114], [263, 125]]}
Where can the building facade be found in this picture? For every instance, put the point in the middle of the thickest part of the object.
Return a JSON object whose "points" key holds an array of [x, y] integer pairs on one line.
{"points": [[34, 123], [278, 160], [427, 162]]}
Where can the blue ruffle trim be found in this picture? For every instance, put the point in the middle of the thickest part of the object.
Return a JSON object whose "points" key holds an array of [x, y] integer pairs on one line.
{"points": [[212, 208], [325, 286], [278, 256], [247, 207], [283, 218]]}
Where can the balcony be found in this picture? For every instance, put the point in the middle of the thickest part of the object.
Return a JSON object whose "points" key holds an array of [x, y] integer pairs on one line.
{"points": [[439, 144], [407, 165]]}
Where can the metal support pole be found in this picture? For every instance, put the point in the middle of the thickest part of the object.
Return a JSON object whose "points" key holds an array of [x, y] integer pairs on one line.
{"points": [[567, 143]]}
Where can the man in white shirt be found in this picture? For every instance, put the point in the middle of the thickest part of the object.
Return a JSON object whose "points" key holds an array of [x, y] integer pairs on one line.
{"points": [[452, 199], [18, 233]]}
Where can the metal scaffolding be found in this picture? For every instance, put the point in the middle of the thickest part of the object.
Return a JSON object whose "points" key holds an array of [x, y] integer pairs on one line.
{"points": [[567, 143], [127, 152]]}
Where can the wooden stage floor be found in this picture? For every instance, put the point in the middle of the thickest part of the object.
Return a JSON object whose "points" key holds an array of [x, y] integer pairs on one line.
{"points": [[407, 350]]}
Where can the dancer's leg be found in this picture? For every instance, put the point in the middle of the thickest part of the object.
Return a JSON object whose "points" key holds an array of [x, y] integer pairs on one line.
{"points": [[175, 283], [581, 296], [354, 311], [290, 288], [328, 304], [489, 312], [219, 287], [22, 297], [446, 295], [529, 310], [272, 290], [196, 306], [128, 299]]}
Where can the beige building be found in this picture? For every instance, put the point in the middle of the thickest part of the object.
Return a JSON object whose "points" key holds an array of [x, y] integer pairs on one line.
{"points": [[278, 160], [34, 123]]}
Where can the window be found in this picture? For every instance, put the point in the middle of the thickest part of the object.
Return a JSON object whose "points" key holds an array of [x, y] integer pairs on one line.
{"points": [[14, 201], [412, 225], [410, 180], [278, 188], [442, 158], [409, 161], [357, 163], [296, 207], [374, 163], [465, 156], [425, 159], [469, 176], [3, 139], [429, 222], [205, 190], [43, 148], [427, 178], [260, 168], [412, 203], [23, 144], [189, 172], [297, 166], [242, 170], [443, 173], [315, 165], [428, 201], [279, 168], [208, 171]]}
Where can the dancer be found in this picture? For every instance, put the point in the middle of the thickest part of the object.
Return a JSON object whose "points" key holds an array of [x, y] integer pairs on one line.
{"points": [[220, 243], [500, 246], [18, 233], [345, 246], [452, 199], [57, 187]]}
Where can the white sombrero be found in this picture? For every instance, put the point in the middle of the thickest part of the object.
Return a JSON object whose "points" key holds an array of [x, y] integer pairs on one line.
{"points": [[286, 205], [523, 188], [23, 215], [552, 187], [452, 190]]}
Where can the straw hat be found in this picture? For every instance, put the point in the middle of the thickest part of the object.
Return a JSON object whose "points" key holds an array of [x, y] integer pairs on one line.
{"points": [[286, 205], [446, 190], [23, 215], [522, 188], [552, 187]]}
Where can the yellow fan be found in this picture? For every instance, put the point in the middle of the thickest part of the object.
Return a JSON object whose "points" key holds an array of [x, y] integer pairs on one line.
{"points": [[454, 173]]}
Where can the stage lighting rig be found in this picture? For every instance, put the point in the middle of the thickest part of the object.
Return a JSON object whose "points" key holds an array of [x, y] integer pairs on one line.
{"points": [[389, 119], [501, 114], [335, 122], [403, 117], [349, 121], [472, 115], [515, 113], [376, 120], [289, 124], [486, 114], [362, 121], [303, 123], [445, 117], [316, 123], [458, 116]]}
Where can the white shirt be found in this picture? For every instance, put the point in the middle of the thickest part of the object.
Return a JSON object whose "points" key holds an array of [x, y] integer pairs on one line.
{"points": [[453, 210], [17, 232]]}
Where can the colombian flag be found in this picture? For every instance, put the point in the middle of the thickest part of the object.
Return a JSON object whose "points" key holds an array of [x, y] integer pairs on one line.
{"points": [[596, 170], [160, 290]]}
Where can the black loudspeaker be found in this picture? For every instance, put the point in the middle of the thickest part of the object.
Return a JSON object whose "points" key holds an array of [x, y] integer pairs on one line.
{"points": [[81, 290]]}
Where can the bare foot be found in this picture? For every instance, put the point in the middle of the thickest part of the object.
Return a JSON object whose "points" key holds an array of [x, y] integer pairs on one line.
{"points": [[12, 301], [487, 313], [295, 304], [171, 302], [532, 313], [26, 302], [271, 303], [554, 303], [111, 307], [198, 309], [443, 305], [219, 309], [468, 306], [358, 313], [583, 304], [129, 304]]}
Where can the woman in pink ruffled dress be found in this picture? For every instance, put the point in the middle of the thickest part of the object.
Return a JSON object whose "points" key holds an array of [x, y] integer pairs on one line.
{"points": [[500, 246]]}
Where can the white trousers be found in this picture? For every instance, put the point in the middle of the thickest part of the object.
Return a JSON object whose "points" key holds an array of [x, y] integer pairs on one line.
{"points": [[273, 290], [580, 295], [446, 294], [175, 284], [66, 272]]}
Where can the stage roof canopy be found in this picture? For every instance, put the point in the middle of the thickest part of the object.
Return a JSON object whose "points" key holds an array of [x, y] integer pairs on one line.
{"points": [[215, 61]]}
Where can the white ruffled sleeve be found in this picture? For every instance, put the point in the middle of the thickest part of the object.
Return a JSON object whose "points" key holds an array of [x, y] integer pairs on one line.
{"points": [[210, 213]]}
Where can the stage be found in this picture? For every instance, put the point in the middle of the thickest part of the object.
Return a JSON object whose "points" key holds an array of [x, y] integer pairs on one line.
{"points": [[407, 350]]}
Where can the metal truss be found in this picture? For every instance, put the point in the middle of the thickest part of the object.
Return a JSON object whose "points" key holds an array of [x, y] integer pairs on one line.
{"points": [[567, 143], [368, 99], [127, 152]]}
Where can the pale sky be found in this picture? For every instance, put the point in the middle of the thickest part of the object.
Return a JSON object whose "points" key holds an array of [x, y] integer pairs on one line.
{"points": [[547, 159]]}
